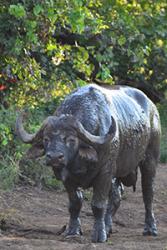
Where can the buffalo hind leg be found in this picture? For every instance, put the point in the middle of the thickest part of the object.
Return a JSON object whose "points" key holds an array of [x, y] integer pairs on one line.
{"points": [[113, 203], [148, 170], [75, 204]]}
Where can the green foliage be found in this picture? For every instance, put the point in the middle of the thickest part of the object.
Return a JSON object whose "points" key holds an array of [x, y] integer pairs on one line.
{"points": [[45, 43], [6, 130], [8, 154], [10, 149], [162, 110], [17, 11]]}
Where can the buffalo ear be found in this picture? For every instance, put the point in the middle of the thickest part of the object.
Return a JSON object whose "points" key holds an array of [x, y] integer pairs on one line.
{"points": [[88, 153], [35, 151]]}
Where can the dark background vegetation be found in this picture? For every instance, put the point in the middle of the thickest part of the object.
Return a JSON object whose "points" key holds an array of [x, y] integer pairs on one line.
{"points": [[48, 48]]}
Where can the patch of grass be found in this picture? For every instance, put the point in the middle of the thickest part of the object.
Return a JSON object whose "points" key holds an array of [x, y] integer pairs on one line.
{"points": [[9, 169], [52, 183], [109, 242], [163, 157], [9, 216], [36, 173]]}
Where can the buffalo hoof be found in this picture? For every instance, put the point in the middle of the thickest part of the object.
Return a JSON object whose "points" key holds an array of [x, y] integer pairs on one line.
{"points": [[74, 228], [108, 224], [99, 237], [99, 233], [150, 231], [73, 231], [108, 231]]}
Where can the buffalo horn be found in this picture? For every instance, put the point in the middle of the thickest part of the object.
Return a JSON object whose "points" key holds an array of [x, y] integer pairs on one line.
{"points": [[20, 131], [93, 139]]}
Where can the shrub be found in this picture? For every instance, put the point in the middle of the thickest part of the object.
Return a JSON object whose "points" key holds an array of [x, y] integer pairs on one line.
{"points": [[163, 110]]}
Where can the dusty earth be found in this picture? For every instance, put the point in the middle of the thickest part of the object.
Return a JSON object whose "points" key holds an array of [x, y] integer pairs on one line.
{"points": [[32, 218]]}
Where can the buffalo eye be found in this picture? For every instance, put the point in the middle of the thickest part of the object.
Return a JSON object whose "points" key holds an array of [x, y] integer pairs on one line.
{"points": [[71, 141], [46, 142]]}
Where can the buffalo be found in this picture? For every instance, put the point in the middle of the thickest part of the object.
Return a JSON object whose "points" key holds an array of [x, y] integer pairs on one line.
{"points": [[99, 137]]}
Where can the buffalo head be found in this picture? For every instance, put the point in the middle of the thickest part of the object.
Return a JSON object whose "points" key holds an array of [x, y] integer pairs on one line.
{"points": [[61, 139]]}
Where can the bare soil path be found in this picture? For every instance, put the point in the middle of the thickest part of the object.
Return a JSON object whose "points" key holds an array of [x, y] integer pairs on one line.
{"points": [[34, 219]]}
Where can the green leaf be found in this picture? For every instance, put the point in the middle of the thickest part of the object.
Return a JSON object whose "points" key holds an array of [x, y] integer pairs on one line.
{"points": [[51, 14], [51, 46], [37, 9], [4, 142], [32, 37], [77, 19], [17, 10], [121, 40], [31, 25]]}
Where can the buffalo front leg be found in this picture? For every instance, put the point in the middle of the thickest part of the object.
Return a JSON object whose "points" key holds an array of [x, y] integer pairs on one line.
{"points": [[99, 201], [75, 204], [113, 203], [147, 175]]}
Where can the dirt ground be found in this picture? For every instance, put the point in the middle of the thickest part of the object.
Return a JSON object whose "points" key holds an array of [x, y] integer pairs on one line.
{"points": [[35, 219]]}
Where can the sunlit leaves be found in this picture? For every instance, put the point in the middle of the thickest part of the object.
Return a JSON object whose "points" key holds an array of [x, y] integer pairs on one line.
{"points": [[51, 46], [160, 43], [105, 75], [81, 62], [72, 42], [60, 90]]}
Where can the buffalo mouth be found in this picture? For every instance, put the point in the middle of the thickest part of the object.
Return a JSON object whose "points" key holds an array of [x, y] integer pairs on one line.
{"points": [[60, 172], [57, 168], [55, 165]]}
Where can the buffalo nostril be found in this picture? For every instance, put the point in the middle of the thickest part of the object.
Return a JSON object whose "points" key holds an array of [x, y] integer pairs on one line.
{"points": [[54, 158]]}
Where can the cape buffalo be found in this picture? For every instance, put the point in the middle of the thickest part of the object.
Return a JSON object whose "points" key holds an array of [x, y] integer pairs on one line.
{"points": [[97, 135]]}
